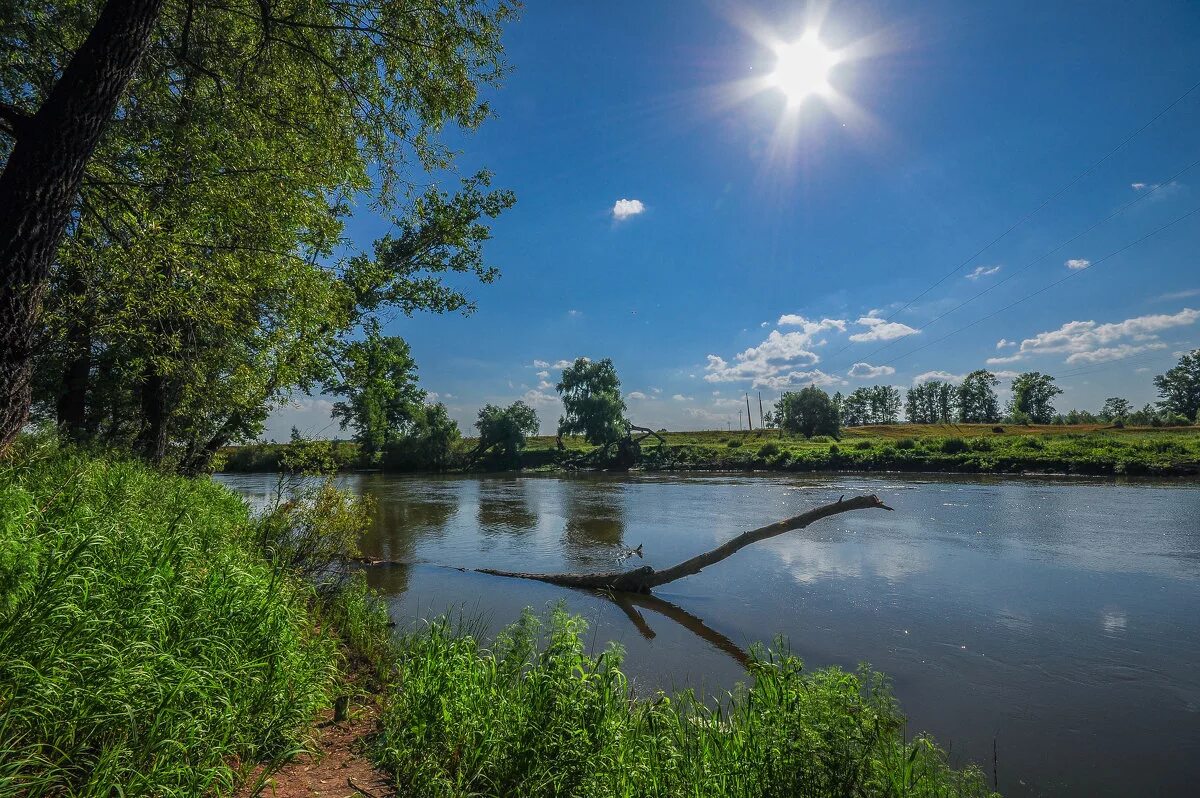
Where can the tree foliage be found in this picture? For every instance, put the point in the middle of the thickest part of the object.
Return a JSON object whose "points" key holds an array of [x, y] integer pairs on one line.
{"points": [[196, 288], [504, 429], [377, 378], [933, 402], [1033, 395], [977, 402], [878, 404], [1116, 409], [592, 403], [1179, 387], [808, 412]]}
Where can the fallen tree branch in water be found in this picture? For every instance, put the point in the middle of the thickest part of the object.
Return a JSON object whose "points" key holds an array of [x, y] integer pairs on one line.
{"points": [[644, 579]]}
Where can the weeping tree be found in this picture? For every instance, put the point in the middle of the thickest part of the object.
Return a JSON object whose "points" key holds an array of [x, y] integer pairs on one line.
{"points": [[193, 290]]}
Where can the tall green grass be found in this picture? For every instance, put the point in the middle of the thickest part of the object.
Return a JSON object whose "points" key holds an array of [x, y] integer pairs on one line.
{"points": [[536, 716], [146, 647]]}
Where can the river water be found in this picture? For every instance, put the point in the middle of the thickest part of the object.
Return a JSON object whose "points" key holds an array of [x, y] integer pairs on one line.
{"points": [[1048, 630]]}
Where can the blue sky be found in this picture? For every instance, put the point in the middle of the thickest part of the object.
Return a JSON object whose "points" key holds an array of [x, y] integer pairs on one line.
{"points": [[681, 215]]}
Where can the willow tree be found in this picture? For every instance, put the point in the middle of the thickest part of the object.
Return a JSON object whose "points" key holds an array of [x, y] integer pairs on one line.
{"points": [[196, 287]]}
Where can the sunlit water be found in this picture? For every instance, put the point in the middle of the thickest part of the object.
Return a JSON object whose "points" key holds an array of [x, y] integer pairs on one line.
{"points": [[1054, 623]]}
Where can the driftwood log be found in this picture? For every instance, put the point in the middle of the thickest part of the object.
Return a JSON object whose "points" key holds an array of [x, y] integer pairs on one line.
{"points": [[646, 578]]}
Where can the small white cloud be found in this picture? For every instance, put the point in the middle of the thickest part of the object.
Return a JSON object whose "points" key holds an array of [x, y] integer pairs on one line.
{"points": [[532, 397], [543, 374], [944, 376], [636, 395], [656, 390], [866, 371], [880, 329], [1137, 186], [983, 271], [562, 364], [1191, 292], [681, 398], [540, 364], [1089, 342], [765, 324], [1004, 343], [624, 208], [1077, 263], [545, 385], [810, 327], [574, 313]]}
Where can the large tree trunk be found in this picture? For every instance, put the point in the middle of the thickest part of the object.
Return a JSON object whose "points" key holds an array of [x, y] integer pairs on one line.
{"points": [[42, 177], [642, 580]]}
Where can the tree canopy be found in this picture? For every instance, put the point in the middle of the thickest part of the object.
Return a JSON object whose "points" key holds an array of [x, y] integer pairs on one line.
{"points": [[977, 402], [1033, 394], [1179, 387], [504, 429], [808, 412], [592, 403], [197, 287]]}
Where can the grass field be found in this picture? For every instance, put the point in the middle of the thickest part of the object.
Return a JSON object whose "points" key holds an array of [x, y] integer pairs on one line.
{"points": [[987, 448]]}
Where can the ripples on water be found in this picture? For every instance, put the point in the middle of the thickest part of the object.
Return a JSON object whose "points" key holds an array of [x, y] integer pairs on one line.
{"points": [[1058, 618]]}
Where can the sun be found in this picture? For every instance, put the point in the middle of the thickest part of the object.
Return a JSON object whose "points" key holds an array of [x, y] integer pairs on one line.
{"points": [[802, 68]]}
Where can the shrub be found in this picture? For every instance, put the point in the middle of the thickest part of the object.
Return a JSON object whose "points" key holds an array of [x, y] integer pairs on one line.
{"points": [[954, 445], [906, 443], [997, 429], [158, 649], [821, 439], [734, 443], [862, 445], [1032, 443], [539, 716], [768, 449]]}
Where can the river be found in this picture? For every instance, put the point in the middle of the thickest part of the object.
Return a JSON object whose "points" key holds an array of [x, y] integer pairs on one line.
{"points": [[1046, 629]]}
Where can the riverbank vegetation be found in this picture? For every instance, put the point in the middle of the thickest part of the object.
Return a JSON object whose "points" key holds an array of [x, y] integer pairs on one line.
{"points": [[160, 640]]}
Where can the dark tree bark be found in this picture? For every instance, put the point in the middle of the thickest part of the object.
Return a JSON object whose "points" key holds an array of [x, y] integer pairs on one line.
{"points": [[153, 439], [40, 182], [71, 408]]}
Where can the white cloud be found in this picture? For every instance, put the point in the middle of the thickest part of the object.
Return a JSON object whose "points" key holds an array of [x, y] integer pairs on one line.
{"points": [[575, 313], [867, 371], [562, 364], [540, 364], [1191, 292], [637, 395], [881, 330], [1076, 264], [545, 385], [811, 327], [778, 356], [532, 397], [656, 390], [681, 398], [944, 376], [1137, 186], [1089, 342], [800, 378], [624, 208], [701, 414], [1004, 343], [543, 374], [983, 271]]}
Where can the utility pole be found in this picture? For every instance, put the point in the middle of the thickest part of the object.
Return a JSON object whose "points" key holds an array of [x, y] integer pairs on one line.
{"points": [[749, 423], [739, 419], [760, 415]]}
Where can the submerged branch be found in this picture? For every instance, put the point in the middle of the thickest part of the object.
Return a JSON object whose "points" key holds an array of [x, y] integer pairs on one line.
{"points": [[642, 580]]}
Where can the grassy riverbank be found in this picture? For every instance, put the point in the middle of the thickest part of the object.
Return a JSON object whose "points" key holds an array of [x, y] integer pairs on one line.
{"points": [[951, 448], [159, 641], [966, 448]]}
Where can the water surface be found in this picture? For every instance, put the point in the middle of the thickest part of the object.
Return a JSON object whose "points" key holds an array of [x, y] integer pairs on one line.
{"points": [[1053, 622]]}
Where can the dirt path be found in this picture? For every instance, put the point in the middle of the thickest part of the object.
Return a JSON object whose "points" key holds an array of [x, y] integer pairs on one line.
{"points": [[338, 767]]}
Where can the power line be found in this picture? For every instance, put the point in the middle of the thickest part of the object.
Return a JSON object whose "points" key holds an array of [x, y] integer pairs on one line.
{"points": [[1040, 258], [1043, 204], [1043, 289]]}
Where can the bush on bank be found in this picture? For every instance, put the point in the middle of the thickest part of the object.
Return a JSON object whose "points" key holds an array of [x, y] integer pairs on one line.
{"points": [[148, 647], [537, 716]]}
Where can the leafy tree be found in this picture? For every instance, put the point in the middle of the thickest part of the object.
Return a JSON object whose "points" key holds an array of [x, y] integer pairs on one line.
{"points": [[504, 429], [189, 296], [592, 403], [377, 377], [1033, 394], [856, 408], [1179, 388], [933, 402], [808, 412], [977, 402], [1116, 409], [428, 445], [885, 404]]}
